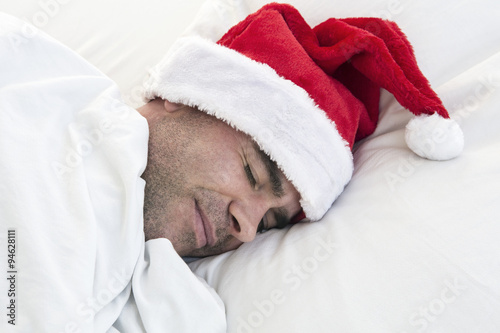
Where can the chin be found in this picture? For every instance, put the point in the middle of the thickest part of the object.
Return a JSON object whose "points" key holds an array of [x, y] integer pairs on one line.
{"points": [[211, 251]]}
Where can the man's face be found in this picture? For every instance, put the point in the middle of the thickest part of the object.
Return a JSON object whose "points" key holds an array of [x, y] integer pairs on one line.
{"points": [[209, 188]]}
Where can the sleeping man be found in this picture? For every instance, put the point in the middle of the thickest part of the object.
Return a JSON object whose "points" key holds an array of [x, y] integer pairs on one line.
{"points": [[99, 201], [216, 192], [272, 154]]}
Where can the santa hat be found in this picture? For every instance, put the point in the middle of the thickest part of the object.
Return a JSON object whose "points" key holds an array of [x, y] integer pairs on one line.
{"points": [[307, 95]]}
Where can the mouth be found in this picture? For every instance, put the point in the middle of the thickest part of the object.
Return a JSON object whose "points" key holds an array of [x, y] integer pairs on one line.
{"points": [[203, 228]]}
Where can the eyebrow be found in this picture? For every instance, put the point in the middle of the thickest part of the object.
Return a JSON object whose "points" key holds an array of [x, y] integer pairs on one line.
{"points": [[280, 214], [281, 218], [273, 173]]}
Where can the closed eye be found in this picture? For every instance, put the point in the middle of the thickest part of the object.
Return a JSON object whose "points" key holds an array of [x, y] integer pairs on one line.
{"points": [[250, 176]]}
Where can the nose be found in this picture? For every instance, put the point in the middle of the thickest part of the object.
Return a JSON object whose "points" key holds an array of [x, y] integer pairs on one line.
{"points": [[245, 218]]}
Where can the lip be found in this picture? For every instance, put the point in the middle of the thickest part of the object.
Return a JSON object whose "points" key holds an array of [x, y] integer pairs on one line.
{"points": [[203, 228]]}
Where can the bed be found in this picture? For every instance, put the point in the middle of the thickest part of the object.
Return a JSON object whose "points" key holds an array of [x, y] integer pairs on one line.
{"points": [[411, 245]]}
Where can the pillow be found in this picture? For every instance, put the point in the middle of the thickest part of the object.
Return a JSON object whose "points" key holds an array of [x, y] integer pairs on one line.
{"points": [[411, 244]]}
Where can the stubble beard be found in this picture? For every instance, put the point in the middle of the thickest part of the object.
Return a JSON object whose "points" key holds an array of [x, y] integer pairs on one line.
{"points": [[168, 201]]}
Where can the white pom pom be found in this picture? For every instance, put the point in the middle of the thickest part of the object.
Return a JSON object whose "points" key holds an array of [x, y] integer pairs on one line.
{"points": [[434, 137]]}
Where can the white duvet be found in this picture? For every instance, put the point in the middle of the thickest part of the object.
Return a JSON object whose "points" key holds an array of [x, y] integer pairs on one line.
{"points": [[72, 253]]}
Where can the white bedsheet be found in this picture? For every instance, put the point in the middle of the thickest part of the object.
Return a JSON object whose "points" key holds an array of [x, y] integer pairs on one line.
{"points": [[71, 204]]}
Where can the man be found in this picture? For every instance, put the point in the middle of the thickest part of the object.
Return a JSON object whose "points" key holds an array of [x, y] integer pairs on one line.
{"points": [[240, 136], [209, 187]]}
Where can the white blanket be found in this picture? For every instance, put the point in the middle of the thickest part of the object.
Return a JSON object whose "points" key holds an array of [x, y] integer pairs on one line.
{"points": [[71, 202]]}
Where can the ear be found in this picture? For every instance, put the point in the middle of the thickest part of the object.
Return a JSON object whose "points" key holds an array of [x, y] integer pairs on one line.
{"points": [[172, 107]]}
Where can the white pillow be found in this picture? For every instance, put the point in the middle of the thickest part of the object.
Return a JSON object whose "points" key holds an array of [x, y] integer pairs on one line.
{"points": [[411, 245]]}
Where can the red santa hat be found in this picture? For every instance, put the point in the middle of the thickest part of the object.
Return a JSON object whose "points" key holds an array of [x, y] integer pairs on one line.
{"points": [[307, 95]]}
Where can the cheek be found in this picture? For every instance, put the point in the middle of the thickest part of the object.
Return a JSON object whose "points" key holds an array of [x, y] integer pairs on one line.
{"points": [[226, 245], [223, 175], [218, 166], [216, 160]]}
